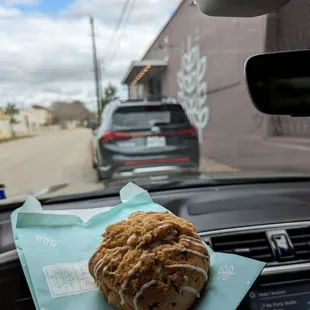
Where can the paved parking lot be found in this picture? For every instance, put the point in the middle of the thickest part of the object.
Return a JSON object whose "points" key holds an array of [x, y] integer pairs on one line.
{"points": [[210, 165], [48, 159], [54, 158]]}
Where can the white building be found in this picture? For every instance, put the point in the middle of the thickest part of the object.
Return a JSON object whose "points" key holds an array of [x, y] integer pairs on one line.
{"points": [[28, 121]]}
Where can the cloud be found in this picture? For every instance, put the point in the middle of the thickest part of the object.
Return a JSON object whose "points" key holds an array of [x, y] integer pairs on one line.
{"points": [[19, 2], [150, 11], [9, 12], [45, 58]]}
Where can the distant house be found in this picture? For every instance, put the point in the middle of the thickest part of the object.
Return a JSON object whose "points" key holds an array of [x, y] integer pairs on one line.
{"points": [[39, 118], [4, 126], [21, 125], [42, 115], [70, 115], [28, 121]]}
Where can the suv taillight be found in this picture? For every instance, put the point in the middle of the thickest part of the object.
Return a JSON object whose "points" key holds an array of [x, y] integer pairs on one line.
{"points": [[115, 135], [119, 135], [189, 132]]}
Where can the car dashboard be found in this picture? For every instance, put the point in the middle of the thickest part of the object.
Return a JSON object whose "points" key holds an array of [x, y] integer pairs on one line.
{"points": [[267, 222]]}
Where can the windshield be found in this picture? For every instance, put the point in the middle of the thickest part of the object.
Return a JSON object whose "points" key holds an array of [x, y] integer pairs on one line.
{"points": [[95, 94]]}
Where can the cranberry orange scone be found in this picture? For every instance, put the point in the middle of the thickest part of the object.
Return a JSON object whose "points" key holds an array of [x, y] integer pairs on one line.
{"points": [[151, 261]]}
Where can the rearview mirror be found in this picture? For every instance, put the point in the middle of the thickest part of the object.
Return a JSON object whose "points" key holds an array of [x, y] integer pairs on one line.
{"points": [[239, 8], [279, 83]]}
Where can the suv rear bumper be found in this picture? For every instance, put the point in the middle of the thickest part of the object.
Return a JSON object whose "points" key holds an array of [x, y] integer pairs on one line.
{"points": [[156, 170], [141, 167]]}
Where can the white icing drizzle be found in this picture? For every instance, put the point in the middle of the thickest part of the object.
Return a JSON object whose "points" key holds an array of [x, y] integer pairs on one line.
{"points": [[194, 243], [126, 247], [100, 262], [132, 237], [163, 226], [130, 274], [188, 251], [124, 284], [190, 267], [191, 290], [140, 292], [97, 267], [192, 238], [105, 269]]}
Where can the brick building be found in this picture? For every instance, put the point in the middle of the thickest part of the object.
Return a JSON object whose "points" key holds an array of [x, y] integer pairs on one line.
{"points": [[200, 60]]}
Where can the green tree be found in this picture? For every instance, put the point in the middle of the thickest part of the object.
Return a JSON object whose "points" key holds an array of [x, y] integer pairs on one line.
{"points": [[109, 94], [11, 111]]}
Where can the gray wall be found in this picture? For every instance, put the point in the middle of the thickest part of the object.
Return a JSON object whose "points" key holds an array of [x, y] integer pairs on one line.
{"points": [[234, 124], [236, 133]]}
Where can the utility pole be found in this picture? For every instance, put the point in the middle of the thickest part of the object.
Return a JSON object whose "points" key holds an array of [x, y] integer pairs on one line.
{"points": [[100, 82], [95, 61]]}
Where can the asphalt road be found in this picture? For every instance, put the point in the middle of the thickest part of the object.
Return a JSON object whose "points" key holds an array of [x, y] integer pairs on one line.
{"points": [[48, 159]]}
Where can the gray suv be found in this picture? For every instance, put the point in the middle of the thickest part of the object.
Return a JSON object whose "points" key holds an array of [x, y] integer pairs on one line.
{"points": [[144, 138]]}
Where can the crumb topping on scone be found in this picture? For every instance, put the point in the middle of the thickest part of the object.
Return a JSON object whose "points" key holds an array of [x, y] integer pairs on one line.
{"points": [[148, 257]]}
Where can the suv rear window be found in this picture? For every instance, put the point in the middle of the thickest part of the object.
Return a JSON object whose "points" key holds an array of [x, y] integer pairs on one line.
{"points": [[148, 116]]}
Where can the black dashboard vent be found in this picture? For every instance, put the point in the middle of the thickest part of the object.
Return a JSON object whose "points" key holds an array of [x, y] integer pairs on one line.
{"points": [[251, 244], [300, 238], [14, 291]]}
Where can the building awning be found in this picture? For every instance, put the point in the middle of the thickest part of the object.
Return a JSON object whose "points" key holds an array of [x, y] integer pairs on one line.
{"points": [[141, 69]]}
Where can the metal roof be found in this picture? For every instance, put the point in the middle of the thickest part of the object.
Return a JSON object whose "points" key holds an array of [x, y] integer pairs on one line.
{"points": [[136, 66]]}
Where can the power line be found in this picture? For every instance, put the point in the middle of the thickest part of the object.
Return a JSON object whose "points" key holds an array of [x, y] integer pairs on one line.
{"points": [[115, 50], [118, 24]]}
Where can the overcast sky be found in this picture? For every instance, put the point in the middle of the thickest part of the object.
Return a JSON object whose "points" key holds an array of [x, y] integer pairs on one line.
{"points": [[45, 50]]}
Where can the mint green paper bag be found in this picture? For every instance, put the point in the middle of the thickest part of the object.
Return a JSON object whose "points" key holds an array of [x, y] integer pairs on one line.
{"points": [[54, 250]]}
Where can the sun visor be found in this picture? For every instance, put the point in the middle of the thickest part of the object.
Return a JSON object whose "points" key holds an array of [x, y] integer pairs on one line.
{"points": [[239, 8]]}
